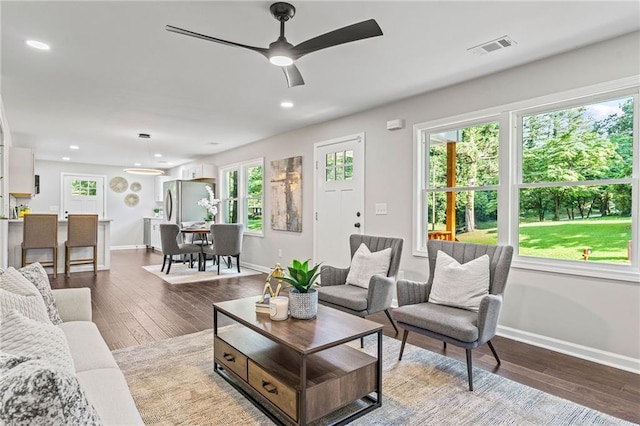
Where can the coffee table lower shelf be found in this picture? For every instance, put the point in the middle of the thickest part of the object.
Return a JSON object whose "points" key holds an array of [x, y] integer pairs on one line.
{"points": [[341, 381]]}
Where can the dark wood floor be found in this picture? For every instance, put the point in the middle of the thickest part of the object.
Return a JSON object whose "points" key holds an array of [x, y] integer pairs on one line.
{"points": [[133, 307]]}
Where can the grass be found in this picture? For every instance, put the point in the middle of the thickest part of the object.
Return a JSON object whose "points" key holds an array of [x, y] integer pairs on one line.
{"points": [[607, 237]]}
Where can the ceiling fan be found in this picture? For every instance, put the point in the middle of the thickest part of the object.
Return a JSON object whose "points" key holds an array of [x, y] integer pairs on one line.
{"points": [[284, 54]]}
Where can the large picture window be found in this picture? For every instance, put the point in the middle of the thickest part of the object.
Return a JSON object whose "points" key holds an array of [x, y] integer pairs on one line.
{"points": [[242, 195], [557, 178], [576, 189]]}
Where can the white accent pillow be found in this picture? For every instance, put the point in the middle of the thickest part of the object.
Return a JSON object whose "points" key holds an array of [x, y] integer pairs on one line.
{"points": [[365, 264], [460, 286], [17, 293], [22, 336]]}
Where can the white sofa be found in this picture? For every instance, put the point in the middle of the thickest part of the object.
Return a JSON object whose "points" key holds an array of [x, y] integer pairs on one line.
{"points": [[96, 369]]}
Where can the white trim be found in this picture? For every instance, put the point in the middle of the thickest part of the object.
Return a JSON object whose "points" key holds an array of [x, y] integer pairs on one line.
{"points": [[611, 359], [105, 184], [241, 196], [253, 266], [130, 247]]}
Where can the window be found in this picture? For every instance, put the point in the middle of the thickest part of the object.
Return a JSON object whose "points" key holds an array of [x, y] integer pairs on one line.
{"points": [[575, 189], [459, 185], [339, 166], [561, 185], [83, 187], [242, 195]]}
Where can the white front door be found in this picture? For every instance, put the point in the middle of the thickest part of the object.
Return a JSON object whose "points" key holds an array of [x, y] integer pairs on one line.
{"points": [[83, 194], [338, 197]]}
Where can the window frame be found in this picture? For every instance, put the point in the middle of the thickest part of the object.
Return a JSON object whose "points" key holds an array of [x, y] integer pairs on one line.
{"points": [[242, 197], [510, 174]]}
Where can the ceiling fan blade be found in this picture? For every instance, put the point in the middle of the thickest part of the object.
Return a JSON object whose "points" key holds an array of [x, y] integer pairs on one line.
{"points": [[294, 78], [261, 50], [359, 31]]}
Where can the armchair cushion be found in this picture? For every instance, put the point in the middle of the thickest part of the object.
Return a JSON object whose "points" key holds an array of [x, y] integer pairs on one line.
{"points": [[348, 296], [366, 264], [461, 286], [457, 323]]}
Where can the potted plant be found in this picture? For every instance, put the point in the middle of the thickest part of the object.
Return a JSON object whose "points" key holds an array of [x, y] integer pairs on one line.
{"points": [[303, 299]]}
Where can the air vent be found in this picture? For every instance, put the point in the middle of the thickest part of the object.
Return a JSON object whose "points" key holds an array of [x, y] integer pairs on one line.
{"points": [[492, 46]]}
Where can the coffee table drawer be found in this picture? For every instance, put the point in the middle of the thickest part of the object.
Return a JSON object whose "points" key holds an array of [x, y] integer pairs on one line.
{"points": [[283, 396], [230, 357]]}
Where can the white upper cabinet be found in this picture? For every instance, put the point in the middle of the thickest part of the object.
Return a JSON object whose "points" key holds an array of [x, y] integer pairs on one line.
{"points": [[22, 179], [199, 171]]}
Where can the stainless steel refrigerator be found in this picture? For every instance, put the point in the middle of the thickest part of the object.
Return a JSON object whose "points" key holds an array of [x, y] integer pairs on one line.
{"points": [[181, 201]]}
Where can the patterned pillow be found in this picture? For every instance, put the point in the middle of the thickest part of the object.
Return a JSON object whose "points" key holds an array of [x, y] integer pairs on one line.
{"points": [[36, 274], [32, 391], [20, 335], [17, 293]]}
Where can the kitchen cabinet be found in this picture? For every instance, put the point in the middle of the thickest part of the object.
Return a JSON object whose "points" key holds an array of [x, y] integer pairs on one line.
{"points": [[199, 171], [152, 233], [22, 178]]}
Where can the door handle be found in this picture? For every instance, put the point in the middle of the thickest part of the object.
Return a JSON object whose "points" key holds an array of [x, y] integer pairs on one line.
{"points": [[357, 224]]}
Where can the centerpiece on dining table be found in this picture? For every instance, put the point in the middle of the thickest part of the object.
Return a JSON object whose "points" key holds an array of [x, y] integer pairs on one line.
{"points": [[211, 204]]}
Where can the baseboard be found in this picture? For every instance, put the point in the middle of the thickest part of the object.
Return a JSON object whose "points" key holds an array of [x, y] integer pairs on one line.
{"points": [[135, 246], [599, 356], [255, 267]]}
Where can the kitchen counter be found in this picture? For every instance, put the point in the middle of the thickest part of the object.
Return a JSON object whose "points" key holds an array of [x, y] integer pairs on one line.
{"points": [[14, 241]]}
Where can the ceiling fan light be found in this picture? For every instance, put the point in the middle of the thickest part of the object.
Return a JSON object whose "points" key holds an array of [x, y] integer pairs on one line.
{"points": [[281, 60], [143, 171]]}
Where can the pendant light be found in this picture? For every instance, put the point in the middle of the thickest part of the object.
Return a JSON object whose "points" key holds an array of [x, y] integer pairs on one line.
{"points": [[143, 170]]}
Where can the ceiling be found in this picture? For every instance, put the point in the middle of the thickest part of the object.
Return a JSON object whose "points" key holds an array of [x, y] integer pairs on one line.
{"points": [[113, 71]]}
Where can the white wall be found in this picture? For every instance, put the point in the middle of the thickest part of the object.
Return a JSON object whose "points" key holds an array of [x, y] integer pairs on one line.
{"points": [[127, 224], [592, 318]]}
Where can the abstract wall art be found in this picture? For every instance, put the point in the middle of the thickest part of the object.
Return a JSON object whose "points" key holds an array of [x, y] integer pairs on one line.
{"points": [[286, 194]]}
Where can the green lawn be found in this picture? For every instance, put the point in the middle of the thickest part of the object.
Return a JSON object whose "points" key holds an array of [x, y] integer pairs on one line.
{"points": [[607, 237]]}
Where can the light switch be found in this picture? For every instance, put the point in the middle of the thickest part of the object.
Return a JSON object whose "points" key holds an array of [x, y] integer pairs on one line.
{"points": [[381, 208]]}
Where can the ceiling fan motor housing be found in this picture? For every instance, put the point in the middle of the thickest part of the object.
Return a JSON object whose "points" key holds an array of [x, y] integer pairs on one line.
{"points": [[282, 11]]}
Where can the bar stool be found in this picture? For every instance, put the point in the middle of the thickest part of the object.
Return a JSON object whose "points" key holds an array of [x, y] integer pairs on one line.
{"points": [[40, 231], [82, 231]]}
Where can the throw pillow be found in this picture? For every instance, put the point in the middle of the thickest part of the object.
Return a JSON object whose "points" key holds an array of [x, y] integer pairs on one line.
{"points": [[36, 274], [32, 391], [20, 335], [17, 293], [365, 264], [460, 286]]}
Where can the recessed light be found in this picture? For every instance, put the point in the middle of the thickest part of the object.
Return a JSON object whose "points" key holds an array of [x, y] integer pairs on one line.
{"points": [[286, 104], [38, 45], [137, 164], [66, 158], [157, 155], [74, 147]]}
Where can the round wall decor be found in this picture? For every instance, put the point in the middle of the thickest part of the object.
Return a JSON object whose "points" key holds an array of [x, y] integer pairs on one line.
{"points": [[131, 200], [136, 186], [118, 184]]}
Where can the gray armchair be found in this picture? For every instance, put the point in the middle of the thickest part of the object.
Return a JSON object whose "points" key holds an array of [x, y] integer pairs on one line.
{"points": [[170, 247], [227, 241], [334, 291], [460, 327]]}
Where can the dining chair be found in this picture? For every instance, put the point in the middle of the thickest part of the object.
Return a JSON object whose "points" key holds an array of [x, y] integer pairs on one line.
{"points": [[40, 231], [227, 241], [82, 231], [169, 233]]}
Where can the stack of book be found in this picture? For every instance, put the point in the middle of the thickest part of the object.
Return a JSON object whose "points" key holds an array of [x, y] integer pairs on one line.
{"points": [[263, 307]]}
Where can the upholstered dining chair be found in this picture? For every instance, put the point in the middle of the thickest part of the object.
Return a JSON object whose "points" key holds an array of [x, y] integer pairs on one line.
{"points": [[422, 312], [227, 241], [169, 233], [362, 299], [40, 231], [82, 231]]}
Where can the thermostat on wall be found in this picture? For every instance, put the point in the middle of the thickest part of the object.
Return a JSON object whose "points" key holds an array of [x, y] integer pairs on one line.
{"points": [[395, 124]]}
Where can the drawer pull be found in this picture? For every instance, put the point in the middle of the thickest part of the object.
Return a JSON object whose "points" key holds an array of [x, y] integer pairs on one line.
{"points": [[269, 387], [229, 357]]}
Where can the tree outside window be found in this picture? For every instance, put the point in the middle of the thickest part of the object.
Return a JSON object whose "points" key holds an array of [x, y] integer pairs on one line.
{"points": [[242, 197]]}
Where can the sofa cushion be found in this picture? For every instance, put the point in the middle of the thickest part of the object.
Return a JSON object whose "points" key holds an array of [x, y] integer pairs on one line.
{"points": [[88, 349], [460, 324], [460, 285], [36, 274], [365, 264], [33, 391], [348, 296], [17, 293], [20, 335], [115, 406]]}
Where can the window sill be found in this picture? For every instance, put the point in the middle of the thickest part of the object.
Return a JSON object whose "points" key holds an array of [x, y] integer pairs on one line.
{"points": [[254, 234], [580, 268]]}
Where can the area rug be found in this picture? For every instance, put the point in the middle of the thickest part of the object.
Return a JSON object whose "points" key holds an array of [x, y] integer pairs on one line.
{"points": [[173, 383], [181, 273]]}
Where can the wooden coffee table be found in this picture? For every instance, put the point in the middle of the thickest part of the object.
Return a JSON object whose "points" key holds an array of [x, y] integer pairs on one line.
{"points": [[297, 371]]}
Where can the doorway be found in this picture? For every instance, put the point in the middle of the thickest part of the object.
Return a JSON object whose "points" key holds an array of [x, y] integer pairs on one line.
{"points": [[83, 194]]}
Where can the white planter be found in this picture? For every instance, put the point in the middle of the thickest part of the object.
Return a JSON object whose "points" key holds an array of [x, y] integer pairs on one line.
{"points": [[303, 305]]}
